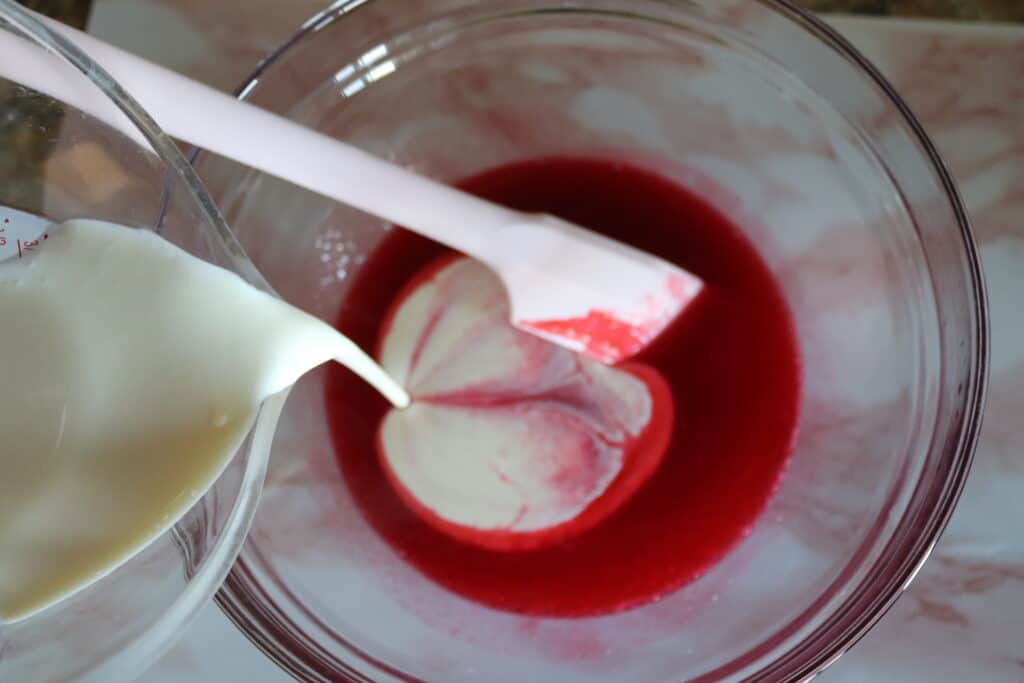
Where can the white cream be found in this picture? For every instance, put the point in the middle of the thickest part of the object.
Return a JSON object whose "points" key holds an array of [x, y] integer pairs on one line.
{"points": [[507, 432], [130, 371]]}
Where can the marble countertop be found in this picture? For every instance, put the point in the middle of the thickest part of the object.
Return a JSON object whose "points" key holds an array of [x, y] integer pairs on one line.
{"points": [[963, 617]]}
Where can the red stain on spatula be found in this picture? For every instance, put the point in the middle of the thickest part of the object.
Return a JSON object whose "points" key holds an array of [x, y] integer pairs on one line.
{"points": [[611, 337]]}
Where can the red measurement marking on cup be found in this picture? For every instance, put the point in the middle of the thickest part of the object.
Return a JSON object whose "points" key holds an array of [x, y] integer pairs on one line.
{"points": [[21, 234], [25, 246]]}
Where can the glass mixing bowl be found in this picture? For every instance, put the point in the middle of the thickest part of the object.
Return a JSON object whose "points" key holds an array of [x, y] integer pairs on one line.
{"points": [[780, 124], [60, 162]]}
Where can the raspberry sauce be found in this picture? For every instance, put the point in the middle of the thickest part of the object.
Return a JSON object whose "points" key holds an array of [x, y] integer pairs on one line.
{"points": [[731, 361]]}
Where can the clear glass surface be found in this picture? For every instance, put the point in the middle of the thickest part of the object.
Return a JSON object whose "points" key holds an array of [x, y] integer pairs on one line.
{"points": [[785, 128], [61, 163]]}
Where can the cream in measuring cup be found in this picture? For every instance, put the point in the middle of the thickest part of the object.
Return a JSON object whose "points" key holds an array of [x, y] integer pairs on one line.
{"points": [[131, 372]]}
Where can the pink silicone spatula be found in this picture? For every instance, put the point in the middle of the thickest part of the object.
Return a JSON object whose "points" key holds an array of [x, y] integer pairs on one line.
{"points": [[574, 287]]}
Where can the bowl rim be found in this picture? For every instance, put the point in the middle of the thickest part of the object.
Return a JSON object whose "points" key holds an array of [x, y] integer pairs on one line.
{"points": [[856, 616]]}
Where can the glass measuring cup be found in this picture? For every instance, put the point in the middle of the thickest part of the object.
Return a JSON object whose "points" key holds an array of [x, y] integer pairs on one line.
{"points": [[60, 163]]}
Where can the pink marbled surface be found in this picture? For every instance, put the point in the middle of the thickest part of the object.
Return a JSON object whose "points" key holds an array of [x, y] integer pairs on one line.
{"points": [[963, 618]]}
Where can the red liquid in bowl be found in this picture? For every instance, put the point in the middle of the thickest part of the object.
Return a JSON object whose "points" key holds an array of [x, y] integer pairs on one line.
{"points": [[731, 361]]}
